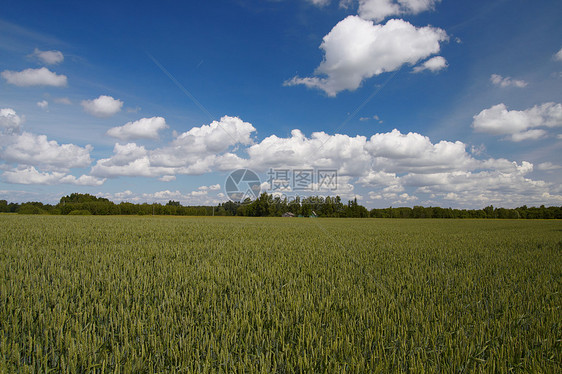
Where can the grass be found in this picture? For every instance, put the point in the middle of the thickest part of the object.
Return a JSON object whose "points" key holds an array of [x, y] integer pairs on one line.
{"points": [[165, 294]]}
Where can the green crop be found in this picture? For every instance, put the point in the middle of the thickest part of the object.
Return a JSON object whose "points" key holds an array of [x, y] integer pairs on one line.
{"points": [[164, 294]]}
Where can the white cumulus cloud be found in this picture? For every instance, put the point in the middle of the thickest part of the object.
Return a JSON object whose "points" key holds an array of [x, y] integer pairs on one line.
{"points": [[49, 57], [44, 104], [10, 122], [498, 80], [434, 65], [34, 77], [30, 175], [342, 152], [356, 49], [204, 142], [507, 186], [518, 125], [197, 151], [144, 128], [36, 150], [103, 106], [397, 152], [128, 160], [213, 187], [397, 168], [137, 167], [390, 153]]}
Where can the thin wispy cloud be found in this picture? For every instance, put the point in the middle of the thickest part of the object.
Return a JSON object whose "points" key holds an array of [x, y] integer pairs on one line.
{"points": [[48, 57]]}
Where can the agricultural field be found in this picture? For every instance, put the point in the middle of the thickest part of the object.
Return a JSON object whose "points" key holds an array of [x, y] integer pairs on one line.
{"points": [[273, 295]]}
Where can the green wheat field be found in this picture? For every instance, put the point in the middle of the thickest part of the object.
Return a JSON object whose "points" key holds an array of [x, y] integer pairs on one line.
{"points": [[272, 295]]}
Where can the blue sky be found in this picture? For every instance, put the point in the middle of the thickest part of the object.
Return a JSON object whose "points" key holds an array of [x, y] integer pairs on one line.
{"points": [[410, 102]]}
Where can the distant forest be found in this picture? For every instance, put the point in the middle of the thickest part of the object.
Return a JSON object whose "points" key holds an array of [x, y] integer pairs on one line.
{"points": [[270, 206]]}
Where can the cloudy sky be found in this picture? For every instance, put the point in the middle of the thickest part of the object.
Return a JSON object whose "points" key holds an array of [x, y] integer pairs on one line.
{"points": [[410, 102]]}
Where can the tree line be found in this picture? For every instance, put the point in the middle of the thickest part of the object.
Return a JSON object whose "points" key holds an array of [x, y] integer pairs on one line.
{"points": [[270, 206]]}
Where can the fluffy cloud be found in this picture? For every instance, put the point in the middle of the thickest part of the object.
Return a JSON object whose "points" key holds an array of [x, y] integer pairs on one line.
{"points": [[199, 193], [374, 159], [397, 168], [497, 182], [397, 152], [196, 151], [434, 65], [214, 187], [204, 142], [103, 106], [36, 150], [34, 77], [83, 180], [357, 49], [127, 153], [43, 104], [508, 188], [386, 161], [391, 162], [30, 151], [378, 10], [518, 125], [10, 122], [167, 194], [127, 160], [49, 57], [30, 175], [108, 168], [498, 80], [144, 128], [381, 178], [342, 152]]}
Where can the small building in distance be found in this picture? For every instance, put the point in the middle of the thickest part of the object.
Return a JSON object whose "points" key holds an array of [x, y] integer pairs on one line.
{"points": [[288, 214]]}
